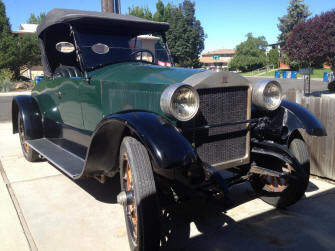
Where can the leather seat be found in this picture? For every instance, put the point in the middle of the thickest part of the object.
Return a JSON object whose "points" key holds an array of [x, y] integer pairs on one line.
{"points": [[64, 71]]}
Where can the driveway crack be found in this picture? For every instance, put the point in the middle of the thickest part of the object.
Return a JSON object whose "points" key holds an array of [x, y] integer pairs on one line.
{"points": [[24, 225]]}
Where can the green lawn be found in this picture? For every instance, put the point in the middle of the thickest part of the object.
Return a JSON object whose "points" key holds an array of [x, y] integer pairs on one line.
{"points": [[317, 73], [253, 73]]}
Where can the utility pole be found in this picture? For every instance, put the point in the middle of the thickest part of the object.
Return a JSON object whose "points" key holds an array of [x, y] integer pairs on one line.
{"points": [[112, 6]]}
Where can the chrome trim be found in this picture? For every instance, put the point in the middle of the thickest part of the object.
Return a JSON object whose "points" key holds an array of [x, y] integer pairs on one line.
{"points": [[258, 94], [167, 95]]}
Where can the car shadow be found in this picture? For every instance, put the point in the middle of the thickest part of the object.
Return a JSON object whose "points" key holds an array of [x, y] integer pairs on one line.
{"points": [[204, 224], [106, 192], [306, 225]]}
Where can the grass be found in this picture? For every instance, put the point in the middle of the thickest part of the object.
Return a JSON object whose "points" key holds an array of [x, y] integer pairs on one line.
{"points": [[253, 73], [317, 73]]}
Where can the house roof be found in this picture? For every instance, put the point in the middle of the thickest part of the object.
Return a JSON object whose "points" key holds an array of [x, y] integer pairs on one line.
{"points": [[218, 52], [99, 19], [26, 28]]}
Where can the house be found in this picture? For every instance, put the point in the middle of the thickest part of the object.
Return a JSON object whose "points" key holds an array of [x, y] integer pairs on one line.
{"points": [[26, 29], [217, 59], [36, 70]]}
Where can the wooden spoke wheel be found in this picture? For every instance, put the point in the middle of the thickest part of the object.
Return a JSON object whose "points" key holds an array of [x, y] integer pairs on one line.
{"points": [[141, 208], [285, 191]]}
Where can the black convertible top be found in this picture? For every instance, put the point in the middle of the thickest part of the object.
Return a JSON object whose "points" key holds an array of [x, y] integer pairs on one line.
{"points": [[67, 16]]}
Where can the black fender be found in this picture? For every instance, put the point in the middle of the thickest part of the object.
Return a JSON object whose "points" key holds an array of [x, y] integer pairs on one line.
{"points": [[283, 124], [166, 146], [298, 117], [31, 116]]}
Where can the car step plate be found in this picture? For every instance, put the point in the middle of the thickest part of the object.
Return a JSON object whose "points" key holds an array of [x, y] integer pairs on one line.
{"points": [[67, 162]]}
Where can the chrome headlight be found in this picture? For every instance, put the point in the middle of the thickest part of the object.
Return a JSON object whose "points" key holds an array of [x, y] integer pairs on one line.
{"points": [[267, 94], [180, 101]]}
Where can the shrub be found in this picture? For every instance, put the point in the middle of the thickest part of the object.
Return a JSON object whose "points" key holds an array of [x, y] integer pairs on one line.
{"points": [[5, 80]]}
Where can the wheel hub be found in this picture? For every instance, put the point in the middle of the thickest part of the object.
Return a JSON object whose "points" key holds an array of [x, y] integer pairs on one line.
{"points": [[276, 184]]}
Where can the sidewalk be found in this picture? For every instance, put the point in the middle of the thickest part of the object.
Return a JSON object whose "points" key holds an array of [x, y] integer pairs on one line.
{"points": [[41, 209]]}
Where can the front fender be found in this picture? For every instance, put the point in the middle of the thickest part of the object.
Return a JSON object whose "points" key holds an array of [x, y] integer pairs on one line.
{"points": [[30, 114], [166, 146], [298, 117]]}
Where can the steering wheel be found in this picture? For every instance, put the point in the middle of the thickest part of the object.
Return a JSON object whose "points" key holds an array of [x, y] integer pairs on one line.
{"points": [[141, 51]]}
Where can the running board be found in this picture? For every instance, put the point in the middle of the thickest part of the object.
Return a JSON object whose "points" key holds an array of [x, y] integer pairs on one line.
{"points": [[67, 162]]}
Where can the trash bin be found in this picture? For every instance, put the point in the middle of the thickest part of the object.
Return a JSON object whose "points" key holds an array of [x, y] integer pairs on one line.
{"points": [[288, 74], [284, 74], [277, 74], [325, 77], [294, 74], [38, 79]]}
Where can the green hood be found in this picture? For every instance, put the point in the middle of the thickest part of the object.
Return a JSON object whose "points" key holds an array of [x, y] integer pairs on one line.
{"points": [[135, 72]]}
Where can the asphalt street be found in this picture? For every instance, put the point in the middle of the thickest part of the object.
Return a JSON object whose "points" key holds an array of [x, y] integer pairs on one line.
{"points": [[5, 108]]}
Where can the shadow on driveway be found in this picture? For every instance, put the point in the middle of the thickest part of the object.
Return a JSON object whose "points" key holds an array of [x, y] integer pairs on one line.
{"points": [[307, 225]]}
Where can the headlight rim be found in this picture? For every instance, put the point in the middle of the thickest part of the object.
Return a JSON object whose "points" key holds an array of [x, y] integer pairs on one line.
{"points": [[167, 98], [258, 97]]}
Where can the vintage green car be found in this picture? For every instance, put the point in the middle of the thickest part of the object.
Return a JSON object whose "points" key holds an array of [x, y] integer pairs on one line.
{"points": [[111, 102]]}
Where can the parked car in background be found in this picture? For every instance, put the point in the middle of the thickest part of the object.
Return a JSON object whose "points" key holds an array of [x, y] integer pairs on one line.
{"points": [[110, 104]]}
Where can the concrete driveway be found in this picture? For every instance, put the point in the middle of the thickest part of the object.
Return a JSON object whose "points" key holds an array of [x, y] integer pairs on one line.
{"points": [[41, 209]]}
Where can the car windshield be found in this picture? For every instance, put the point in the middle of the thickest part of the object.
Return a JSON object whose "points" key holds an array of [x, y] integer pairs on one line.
{"points": [[100, 49]]}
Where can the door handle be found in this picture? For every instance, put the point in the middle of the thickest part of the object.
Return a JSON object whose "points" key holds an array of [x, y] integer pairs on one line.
{"points": [[59, 94]]}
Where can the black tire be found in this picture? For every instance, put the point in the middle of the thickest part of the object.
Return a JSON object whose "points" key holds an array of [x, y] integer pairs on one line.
{"points": [[295, 188], [143, 188], [29, 153], [331, 86]]}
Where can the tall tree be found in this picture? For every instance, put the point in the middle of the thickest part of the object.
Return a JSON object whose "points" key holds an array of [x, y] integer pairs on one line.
{"points": [[7, 40], [159, 14], [297, 12], [313, 41], [4, 22], [186, 36], [36, 19], [250, 54], [142, 12]]}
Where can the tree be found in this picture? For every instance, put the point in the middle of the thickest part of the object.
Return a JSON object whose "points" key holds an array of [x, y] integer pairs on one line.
{"points": [[7, 40], [142, 12], [185, 36], [273, 57], [249, 55], [297, 12], [17, 51], [313, 41], [36, 19]]}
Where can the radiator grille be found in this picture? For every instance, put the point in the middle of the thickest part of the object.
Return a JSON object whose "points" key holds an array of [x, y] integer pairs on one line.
{"points": [[220, 105]]}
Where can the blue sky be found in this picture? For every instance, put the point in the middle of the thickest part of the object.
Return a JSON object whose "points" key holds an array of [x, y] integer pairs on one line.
{"points": [[226, 22]]}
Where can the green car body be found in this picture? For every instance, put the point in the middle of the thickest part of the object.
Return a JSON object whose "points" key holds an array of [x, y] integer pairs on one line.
{"points": [[119, 87]]}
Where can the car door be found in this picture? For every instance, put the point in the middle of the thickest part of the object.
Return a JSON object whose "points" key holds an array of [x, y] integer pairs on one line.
{"points": [[69, 103]]}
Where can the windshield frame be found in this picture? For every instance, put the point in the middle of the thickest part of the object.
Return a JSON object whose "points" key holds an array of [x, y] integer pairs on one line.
{"points": [[81, 57]]}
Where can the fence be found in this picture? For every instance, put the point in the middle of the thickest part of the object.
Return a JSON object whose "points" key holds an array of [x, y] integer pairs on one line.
{"points": [[321, 149]]}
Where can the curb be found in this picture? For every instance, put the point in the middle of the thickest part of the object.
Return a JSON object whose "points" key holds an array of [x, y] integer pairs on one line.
{"points": [[8, 94]]}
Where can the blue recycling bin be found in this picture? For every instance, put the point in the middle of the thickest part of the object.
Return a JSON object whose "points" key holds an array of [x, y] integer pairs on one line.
{"points": [[284, 74], [277, 74], [294, 74], [38, 79], [325, 77]]}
